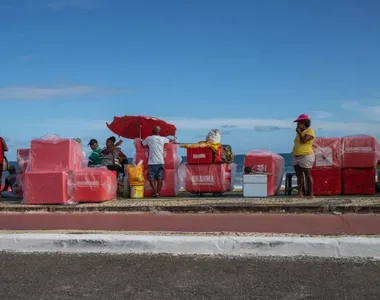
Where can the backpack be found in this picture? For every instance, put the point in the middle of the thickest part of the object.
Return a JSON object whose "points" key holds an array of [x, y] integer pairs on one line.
{"points": [[227, 154]]}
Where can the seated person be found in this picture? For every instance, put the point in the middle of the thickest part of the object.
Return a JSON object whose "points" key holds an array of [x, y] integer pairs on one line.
{"points": [[10, 181], [96, 155], [112, 156]]}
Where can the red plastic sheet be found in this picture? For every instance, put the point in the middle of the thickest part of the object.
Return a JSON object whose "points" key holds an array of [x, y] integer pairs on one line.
{"points": [[207, 178], [272, 164], [199, 155], [50, 187], [56, 154], [328, 152], [22, 159], [171, 156], [327, 182], [360, 151], [20, 182], [359, 181], [170, 186], [93, 185]]}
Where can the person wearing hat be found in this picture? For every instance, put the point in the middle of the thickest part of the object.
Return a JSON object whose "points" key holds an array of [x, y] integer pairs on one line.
{"points": [[96, 155], [303, 154]]}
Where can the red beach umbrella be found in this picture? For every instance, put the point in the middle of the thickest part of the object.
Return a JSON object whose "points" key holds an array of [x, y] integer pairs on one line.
{"points": [[131, 127]]}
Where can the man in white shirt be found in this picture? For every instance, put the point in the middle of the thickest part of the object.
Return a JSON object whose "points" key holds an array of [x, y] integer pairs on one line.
{"points": [[156, 162]]}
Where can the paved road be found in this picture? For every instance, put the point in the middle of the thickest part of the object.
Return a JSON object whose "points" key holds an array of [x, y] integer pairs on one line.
{"points": [[92, 276]]}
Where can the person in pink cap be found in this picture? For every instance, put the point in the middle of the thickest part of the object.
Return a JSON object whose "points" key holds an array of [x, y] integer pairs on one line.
{"points": [[303, 154]]}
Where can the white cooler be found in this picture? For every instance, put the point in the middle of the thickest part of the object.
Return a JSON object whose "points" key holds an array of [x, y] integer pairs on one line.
{"points": [[255, 186]]}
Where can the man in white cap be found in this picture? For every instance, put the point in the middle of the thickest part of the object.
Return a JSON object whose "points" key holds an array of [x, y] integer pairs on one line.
{"points": [[156, 162]]}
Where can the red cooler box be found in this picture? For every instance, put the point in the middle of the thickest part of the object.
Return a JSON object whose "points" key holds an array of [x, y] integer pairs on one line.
{"points": [[360, 151], [328, 153], [199, 155], [359, 181], [170, 185], [210, 178], [171, 156], [46, 188], [327, 181], [22, 159], [270, 163], [60, 155], [94, 185]]}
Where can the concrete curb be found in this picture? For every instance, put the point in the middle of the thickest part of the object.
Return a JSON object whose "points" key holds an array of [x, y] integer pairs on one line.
{"points": [[341, 247], [204, 208]]}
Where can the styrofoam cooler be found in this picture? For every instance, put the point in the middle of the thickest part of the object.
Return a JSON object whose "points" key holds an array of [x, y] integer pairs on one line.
{"points": [[201, 155], [50, 187], [360, 152], [328, 153], [269, 163], [94, 185], [207, 178], [255, 185], [327, 181], [61, 155], [359, 181]]}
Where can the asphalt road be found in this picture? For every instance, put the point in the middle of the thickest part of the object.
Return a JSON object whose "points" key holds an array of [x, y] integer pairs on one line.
{"points": [[57, 276]]}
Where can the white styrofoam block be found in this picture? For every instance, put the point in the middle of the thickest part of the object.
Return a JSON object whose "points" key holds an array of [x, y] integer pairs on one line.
{"points": [[255, 186]]}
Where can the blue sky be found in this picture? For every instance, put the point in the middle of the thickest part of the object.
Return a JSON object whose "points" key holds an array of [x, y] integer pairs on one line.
{"points": [[247, 67]]}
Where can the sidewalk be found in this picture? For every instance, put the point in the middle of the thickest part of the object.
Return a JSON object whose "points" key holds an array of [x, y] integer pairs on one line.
{"points": [[231, 202], [229, 225]]}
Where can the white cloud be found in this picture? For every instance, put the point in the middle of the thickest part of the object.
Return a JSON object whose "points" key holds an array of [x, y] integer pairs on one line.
{"points": [[320, 114], [83, 4], [372, 111], [50, 93]]}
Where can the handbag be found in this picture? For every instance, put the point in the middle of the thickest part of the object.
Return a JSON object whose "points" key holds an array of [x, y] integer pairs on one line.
{"points": [[5, 164]]}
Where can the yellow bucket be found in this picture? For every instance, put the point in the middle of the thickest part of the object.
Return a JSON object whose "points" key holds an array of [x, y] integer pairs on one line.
{"points": [[137, 191]]}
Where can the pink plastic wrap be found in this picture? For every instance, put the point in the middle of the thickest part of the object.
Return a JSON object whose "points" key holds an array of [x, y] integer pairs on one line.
{"points": [[171, 156], [52, 153], [267, 162], [328, 153], [327, 181], [22, 159], [170, 187], [359, 181], [207, 178], [49, 187], [361, 151], [20, 185], [93, 185]]}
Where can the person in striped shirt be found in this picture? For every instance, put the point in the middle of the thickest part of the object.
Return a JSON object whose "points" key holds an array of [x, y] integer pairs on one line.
{"points": [[96, 155]]}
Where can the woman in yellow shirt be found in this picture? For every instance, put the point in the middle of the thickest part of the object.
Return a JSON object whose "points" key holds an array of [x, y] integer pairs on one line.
{"points": [[303, 154]]}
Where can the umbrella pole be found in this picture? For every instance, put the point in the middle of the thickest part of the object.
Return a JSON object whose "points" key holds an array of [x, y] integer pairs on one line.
{"points": [[140, 132]]}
